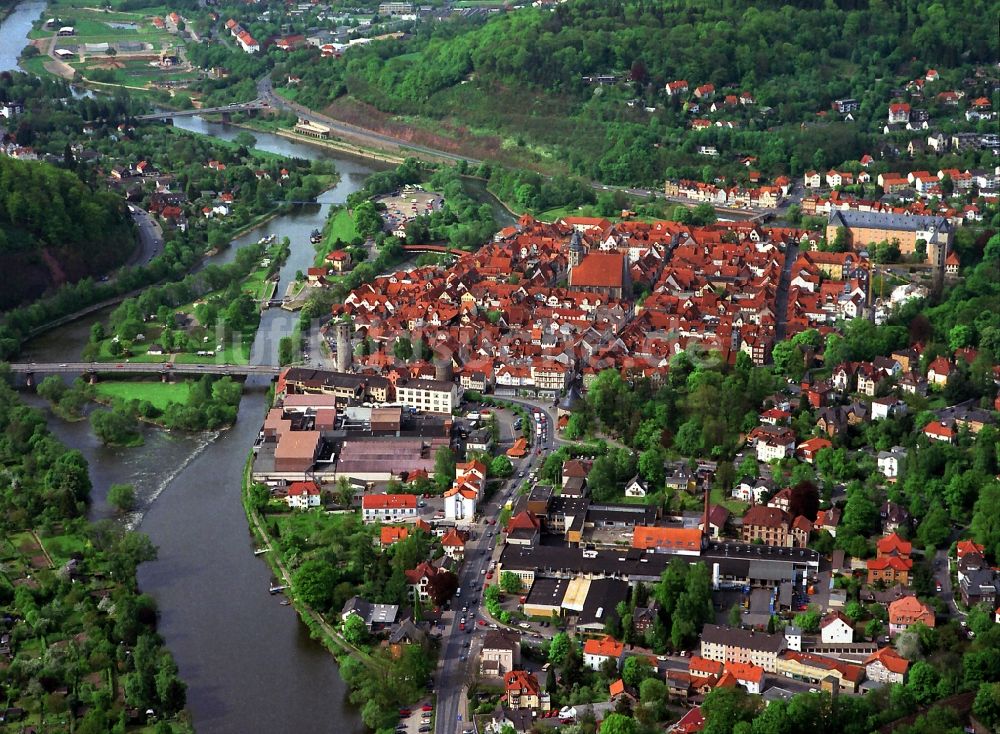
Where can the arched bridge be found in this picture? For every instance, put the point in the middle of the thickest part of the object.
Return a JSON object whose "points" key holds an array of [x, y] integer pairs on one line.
{"points": [[441, 249], [143, 368], [252, 106]]}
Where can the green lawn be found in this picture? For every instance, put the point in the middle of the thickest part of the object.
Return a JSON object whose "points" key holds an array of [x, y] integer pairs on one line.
{"points": [[734, 506], [310, 525], [341, 228], [62, 547], [160, 394], [551, 215]]}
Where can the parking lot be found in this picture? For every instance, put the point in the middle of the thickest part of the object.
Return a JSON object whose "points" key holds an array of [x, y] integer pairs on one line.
{"points": [[419, 720]]}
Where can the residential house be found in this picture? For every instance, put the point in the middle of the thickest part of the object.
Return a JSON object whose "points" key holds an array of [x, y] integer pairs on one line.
{"points": [[835, 628], [389, 535], [303, 495], [887, 407], [643, 618], [939, 371], [453, 545], [636, 487], [522, 691], [748, 675], [728, 645], [893, 516], [938, 431], [597, 651], [752, 491], [419, 579], [808, 449], [886, 666], [376, 617], [908, 611], [773, 442], [388, 508], [501, 653]]}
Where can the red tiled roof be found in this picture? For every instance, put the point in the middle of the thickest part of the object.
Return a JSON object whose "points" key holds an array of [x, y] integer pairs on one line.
{"points": [[892, 660], [390, 534], [388, 501], [606, 646], [645, 537], [893, 544], [599, 270]]}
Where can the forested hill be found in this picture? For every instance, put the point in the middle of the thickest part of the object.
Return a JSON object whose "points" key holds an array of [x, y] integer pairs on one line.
{"points": [[54, 229], [785, 54], [521, 73]]}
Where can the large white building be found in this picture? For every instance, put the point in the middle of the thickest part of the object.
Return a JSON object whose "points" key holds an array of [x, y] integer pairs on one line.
{"points": [[430, 396], [389, 508]]}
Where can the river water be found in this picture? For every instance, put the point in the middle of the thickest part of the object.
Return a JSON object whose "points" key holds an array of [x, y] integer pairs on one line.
{"points": [[249, 663]]}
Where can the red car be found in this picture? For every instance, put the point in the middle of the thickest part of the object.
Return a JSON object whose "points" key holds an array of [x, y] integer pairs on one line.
{"points": [[404, 712], [489, 575], [426, 707], [482, 622]]}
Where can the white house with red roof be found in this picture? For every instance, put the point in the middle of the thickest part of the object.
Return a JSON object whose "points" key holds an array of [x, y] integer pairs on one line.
{"points": [[303, 495], [388, 508], [899, 113], [886, 666], [596, 652], [835, 628], [938, 431]]}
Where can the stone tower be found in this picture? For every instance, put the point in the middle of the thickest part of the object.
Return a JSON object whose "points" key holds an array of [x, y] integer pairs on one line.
{"points": [[342, 329]]}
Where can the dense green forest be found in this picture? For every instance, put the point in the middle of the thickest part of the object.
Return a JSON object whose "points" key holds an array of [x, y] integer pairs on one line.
{"points": [[55, 229], [519, 76]]}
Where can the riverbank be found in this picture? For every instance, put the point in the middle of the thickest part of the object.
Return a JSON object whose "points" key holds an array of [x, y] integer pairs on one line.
{"points": [[214, 610], [340, 146]]}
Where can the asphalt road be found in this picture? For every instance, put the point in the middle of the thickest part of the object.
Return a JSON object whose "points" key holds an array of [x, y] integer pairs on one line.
{"points": [[150, 237], [457, 663]]}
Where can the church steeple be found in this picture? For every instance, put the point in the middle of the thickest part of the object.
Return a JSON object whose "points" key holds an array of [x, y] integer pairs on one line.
{"points": [[575, 249]]}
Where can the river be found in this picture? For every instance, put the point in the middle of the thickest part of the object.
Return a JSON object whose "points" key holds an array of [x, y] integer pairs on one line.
{"points": [[249, 663]]}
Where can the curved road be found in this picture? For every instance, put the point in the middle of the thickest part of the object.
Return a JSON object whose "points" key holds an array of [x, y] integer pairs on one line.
{"points": [[150, 236]]}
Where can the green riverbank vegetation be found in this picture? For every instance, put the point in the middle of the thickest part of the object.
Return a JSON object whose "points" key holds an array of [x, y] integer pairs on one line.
{"points": [[81, 650]]}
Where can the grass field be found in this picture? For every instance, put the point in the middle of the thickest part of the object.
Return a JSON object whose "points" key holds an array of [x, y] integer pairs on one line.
{"points": [[551, 215], [341, 228], [160, 394], [136, 73]]}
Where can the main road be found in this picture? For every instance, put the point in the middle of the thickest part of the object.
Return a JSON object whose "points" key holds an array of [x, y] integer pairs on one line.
{"points": [[459, 658]]}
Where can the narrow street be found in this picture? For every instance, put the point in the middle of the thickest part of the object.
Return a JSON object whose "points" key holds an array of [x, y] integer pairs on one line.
{"points": [[781, 297]]}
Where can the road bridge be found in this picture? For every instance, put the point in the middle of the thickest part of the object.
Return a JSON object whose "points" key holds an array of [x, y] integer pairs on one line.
{"points": [[440, 249], [164, 369], [252, 106]]}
